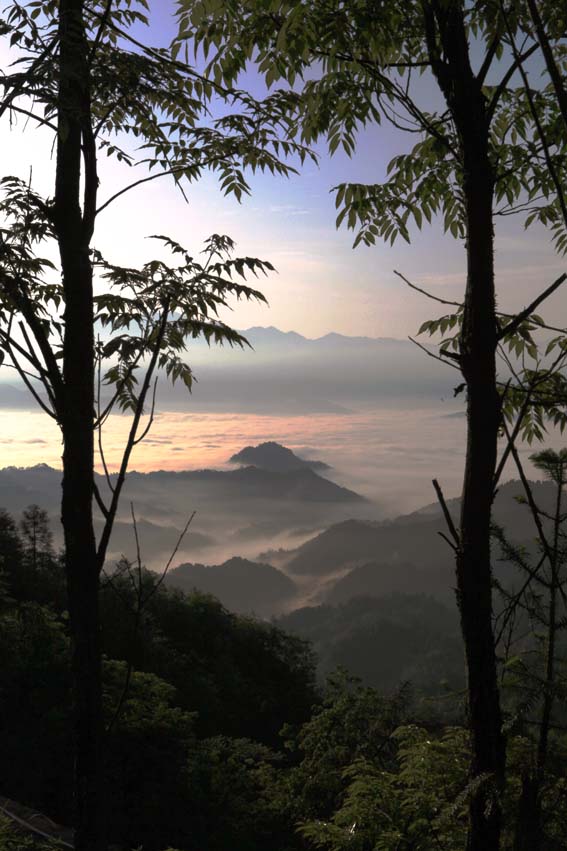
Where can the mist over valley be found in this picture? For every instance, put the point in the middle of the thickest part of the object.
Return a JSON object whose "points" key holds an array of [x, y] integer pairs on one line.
{"points": [[312, 508]]}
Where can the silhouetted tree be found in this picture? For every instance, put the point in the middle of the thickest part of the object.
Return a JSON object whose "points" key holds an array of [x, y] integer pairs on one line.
{"points": [[492, 148], [36, 536], [534, 665], [81, 74]]}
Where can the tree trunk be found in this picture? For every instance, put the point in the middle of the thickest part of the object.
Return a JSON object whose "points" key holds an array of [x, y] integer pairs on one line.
{"points": [[449, 54], [527, 833], [74, 229], [474, 572]]}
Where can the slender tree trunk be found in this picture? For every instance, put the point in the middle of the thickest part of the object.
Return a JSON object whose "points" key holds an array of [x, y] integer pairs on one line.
{"points": [[74, 231], [528, 835], [449, 53], [474, 573]]}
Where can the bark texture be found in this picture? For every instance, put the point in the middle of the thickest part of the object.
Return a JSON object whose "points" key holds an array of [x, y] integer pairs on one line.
{"points": [[448, 47], [74, 224]]}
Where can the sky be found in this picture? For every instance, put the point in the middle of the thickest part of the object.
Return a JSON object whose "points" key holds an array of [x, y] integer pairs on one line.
{"points": [[322, 284]]}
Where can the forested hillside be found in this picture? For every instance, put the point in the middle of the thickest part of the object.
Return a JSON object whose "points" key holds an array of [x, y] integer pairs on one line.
{"points": [[219, 734]]}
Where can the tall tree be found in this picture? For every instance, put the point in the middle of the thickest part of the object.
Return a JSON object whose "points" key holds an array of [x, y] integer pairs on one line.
{"points": [[80, 73], [534, 670], [492, 148], [36, 535]]}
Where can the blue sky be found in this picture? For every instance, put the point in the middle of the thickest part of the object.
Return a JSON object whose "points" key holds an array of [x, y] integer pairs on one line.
{"points": [[322, 284]]}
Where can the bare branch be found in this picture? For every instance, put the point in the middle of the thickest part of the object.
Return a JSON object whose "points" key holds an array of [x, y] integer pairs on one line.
{"points": [[517, 426], [524, 314], [24, 376], [32, 357], [27, 309], [131, 440], [437, 357], [529, 495], [507, 614], [6, 339], [182, 169], [489, 57], [172, 556], [447, 514], [151, 417], [448, 541], [425, 293], [98, 426], [100, 501], [44, 122]]}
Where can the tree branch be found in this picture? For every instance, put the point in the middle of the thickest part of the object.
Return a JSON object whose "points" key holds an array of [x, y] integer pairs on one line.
{"points": [[425, 293], [552, 69], [529, 97], [490, 54], [26, 308], [100, 501], [524, 314], [501, 87], [30, 73], [131, 440], [182, 169], [103, 23], [448, 519], [437, 357], [29, 114], [151, 417], [24, 376]]}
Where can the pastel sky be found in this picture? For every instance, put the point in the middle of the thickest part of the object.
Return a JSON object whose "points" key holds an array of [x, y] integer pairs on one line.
{"points": [[322, 284]]}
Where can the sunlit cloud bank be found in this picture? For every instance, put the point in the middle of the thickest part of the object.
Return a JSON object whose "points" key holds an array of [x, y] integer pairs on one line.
{"points": [[389, 456]]}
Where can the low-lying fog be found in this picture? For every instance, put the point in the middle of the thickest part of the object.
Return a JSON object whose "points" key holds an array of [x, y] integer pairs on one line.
{"points": [[378, 412]]}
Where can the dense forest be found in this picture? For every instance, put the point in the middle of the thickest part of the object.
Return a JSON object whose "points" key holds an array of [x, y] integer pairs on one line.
{"points": [[219, 733]]}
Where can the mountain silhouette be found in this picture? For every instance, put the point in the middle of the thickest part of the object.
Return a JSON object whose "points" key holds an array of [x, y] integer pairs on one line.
{"points": [[242, 586], [302, 485], [275, 457]]}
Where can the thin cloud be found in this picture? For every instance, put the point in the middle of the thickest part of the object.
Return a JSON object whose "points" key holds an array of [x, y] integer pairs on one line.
{"points": [[288, 210]]}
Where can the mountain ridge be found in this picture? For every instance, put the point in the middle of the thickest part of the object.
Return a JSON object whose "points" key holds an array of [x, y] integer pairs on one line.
{"points": [[274, 457], [271, 331], [243, 586]]}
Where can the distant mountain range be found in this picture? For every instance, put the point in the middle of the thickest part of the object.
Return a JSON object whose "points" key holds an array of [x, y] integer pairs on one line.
{"points": [[408, 552], [287, 373], [239, 510], [259, 335], [361, 558], [300, 485]]}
